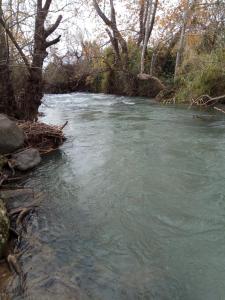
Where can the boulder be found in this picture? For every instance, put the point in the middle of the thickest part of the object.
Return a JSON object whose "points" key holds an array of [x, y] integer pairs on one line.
{"points": [[11, 136], [4, 227], [26, 159]]}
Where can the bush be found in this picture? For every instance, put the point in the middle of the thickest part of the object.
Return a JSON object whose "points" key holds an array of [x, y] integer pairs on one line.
{"points": [[202, 74]]}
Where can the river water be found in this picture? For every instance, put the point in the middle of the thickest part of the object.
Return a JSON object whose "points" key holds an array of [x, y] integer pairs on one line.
{"points": [[133, 203]]}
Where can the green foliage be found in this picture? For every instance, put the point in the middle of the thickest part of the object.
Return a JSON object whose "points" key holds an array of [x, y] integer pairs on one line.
{"points": [[202, 74]]}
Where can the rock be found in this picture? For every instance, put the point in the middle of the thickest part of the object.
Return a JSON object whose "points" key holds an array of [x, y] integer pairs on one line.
{"points": [[11, 136], [26, 159], [4, 227]]}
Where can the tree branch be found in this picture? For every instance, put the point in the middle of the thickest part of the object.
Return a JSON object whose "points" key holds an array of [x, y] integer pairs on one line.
{"points": [[10, 35], [53, 42], [101, 14], [47, 5], [52, 28]]}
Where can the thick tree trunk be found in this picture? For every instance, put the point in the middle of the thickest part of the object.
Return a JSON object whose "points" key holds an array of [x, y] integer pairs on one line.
{"points": [[7, 100], [34, 86]]}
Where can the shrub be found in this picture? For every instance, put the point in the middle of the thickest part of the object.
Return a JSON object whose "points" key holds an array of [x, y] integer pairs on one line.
{"points": [[202, 74]]}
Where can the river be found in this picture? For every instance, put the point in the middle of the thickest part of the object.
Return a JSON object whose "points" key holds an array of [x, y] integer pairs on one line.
{"points": [[133, 203]]}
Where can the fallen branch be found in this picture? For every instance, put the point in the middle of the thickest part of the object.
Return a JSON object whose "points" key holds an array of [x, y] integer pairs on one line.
{"points": [[206, 100], [219, 109]]}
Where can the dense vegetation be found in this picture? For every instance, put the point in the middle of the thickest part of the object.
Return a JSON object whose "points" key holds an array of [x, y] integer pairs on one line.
{"points": [[145, 48]]}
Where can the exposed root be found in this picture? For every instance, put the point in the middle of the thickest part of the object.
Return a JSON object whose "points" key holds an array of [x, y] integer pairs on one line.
{"points": [[45, 138], [13, 264], [22, 214]]}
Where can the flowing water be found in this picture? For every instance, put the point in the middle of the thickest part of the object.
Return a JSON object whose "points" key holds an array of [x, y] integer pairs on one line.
{"points": [[133, 203]]}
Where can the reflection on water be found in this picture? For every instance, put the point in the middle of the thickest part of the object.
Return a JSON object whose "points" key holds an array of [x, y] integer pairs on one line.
{"points": [[133, 205]]}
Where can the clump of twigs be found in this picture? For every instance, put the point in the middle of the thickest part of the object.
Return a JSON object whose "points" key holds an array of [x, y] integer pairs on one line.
{"points": [[45, 138]]}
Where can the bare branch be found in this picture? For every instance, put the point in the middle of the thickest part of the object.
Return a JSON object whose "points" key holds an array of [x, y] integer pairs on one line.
{"points": [[53, 42], [51, 29]]}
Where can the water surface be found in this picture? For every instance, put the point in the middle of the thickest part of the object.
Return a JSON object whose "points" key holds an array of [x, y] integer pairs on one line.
{"points": [[134, 203]]}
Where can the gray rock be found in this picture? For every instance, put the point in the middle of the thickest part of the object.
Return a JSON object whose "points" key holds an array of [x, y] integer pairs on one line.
{"points": [[26, 159], [11, 136], [4, 227]]}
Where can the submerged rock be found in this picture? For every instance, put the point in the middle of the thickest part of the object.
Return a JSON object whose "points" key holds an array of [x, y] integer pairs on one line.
{"points": [[11, 136], [4, 227], [26, 159]]}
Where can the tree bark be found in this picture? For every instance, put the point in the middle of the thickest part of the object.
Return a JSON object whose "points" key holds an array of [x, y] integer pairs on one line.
{"points": [[149, 21], [7, 99], [145, 43], [141, 22], [34, 86]]}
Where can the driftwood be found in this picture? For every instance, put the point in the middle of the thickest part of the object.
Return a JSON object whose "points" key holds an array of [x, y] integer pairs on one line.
{"points": [[206, 100]]}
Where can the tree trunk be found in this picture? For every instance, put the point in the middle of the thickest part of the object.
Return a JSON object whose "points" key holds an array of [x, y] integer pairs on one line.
{"points": [[7, 100], [187, 15], [152, 66], [116, 38], [149, 22], [34, 85], [181, 48], [145, 43]]}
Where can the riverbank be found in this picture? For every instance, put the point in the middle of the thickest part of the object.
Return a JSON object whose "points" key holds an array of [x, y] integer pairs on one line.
{"points": [[22, 146]]}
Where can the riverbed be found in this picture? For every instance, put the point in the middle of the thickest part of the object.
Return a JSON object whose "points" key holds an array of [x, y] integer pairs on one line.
{"points": [[133, 203]]}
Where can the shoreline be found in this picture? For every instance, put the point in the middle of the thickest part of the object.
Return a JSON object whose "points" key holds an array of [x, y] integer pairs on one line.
{"points": [[40, 139]]}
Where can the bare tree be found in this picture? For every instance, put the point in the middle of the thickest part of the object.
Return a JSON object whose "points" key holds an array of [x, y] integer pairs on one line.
{"points": [[112, 30], [147, 19], [33, 91]]}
